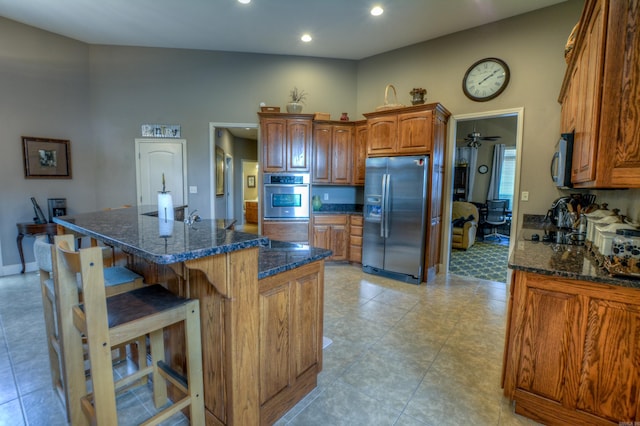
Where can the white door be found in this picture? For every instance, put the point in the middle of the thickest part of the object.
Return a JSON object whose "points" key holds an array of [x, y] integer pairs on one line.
{"points": [[158, 157]]}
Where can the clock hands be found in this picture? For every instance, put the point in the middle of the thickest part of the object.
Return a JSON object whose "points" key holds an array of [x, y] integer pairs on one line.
{"points": [[488, 77]]}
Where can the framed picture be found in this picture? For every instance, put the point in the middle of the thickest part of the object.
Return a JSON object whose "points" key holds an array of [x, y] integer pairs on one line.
{"points": [[219, 171], [251, 181], [46, 158]]}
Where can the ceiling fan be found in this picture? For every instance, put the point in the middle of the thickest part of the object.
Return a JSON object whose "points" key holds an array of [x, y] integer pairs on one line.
{"points": [[474, 138]]}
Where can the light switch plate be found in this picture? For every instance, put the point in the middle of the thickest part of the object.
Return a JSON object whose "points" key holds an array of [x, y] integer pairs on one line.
{"points": [[193, 190]]}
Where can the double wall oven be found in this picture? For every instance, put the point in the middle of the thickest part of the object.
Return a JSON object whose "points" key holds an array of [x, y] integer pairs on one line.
{"points": [[287, 197], [286, 201]]}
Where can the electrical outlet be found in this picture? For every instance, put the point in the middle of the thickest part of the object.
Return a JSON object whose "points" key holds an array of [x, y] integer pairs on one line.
{"points": [[524, 196], [325, 197]]}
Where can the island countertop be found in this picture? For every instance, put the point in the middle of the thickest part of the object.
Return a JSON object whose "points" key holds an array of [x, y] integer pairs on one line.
{"points": [[561, 260], [134, 231]]}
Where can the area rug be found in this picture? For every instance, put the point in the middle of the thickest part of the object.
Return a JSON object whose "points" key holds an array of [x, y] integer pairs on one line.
{"points": [[482, 260]]}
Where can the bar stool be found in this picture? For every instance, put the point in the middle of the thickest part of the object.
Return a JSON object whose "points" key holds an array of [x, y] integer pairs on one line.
{"points": [[117, 280], [106, 322]]}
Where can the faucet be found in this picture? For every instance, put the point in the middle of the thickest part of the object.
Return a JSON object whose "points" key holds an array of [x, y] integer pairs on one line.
{"points": [[193, 217]]}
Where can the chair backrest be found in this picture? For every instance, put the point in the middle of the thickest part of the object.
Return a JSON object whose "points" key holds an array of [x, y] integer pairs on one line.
{"points": [[496, 211]]}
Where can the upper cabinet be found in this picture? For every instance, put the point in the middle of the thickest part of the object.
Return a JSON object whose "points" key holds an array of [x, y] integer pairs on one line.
{"points": [[332, 151], [600, 96], [359, 152], [402, 131], [286, 142]]}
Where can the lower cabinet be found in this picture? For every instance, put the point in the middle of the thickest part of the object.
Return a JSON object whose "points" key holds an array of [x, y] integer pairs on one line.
{"points": [[291, 324], [332, 232], [572, 351], [355, 238], [289, 231]]}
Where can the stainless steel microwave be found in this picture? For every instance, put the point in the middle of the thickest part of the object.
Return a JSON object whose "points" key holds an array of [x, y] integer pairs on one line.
{"points": [[561, 161], [286, 196]]}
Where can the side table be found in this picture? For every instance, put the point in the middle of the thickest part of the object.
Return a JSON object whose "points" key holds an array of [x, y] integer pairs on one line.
{"points": [[31, 229]]}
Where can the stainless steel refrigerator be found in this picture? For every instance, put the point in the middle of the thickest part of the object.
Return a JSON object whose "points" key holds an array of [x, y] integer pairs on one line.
{"points": [[395, 204]]}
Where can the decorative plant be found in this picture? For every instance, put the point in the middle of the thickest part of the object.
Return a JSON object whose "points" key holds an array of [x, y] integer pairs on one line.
{"points": [[418, 90], [298, 96]]}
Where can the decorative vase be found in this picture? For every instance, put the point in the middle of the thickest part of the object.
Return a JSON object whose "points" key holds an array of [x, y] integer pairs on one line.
{"points": [[344, 117], [294, 107], [316, 203], [418, 96]]}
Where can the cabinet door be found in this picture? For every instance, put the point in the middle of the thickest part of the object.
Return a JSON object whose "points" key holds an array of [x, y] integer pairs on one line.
{"points": [[359, 153], [322, 153], [298, 145], [307, 323], [342, 140], [382, 133], [609, 379], [588, 112], [322, 236], [620, 123], [273, 135], [414, 132], [340, 242]]}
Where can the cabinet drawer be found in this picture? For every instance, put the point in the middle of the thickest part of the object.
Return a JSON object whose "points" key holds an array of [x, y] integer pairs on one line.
{"points": [[330, 219], [356, 220], [355, 240], [356, 230], [296, 232]]}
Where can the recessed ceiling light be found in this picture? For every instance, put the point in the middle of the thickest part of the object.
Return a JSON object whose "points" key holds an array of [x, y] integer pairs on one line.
{"points": [[306, 38], [244, 1], [377, 11]]}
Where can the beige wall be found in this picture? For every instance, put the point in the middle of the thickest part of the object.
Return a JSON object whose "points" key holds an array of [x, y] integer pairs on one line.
{"points": [[98, 96]]}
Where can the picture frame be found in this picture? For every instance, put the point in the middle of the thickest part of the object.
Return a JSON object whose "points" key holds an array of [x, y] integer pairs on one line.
{"points": [[46, 158], [219, 171], [251, 181]]}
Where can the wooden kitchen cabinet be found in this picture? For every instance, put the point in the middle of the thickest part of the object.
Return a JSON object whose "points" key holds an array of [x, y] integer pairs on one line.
{"points": [[359, 153], [332, 150], [251, 211], [291, 323], [382, 133], [332, 232], [600, 96], [355, 238], [289, 231], [571, 353], [286, 142]]}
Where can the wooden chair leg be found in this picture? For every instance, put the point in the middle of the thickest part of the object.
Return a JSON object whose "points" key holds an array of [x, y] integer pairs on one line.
{"points": [[156, 340], [194, 362]]}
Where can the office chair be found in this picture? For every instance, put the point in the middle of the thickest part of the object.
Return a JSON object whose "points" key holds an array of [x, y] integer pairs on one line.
{"points": [[496, 216]]}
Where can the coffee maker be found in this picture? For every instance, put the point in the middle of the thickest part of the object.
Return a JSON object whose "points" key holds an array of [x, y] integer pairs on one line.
{"points": [[57, 207]]}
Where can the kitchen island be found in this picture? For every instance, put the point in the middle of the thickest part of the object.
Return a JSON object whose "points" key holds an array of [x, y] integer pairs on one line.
{"points": [[572, 346], [261, 305]]}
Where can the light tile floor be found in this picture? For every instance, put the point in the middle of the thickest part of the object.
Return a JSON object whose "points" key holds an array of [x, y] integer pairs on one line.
{"points": [[401, 355]]}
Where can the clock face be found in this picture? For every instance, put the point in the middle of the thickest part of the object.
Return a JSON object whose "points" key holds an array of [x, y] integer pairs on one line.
{"points": [[485, 79]]}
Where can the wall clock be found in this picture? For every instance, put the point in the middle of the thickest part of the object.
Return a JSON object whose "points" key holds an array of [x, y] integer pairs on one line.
{"points": [[483, 169], [485, 79]]}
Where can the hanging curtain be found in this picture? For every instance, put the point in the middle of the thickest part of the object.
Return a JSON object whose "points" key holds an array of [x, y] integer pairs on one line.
{"points": [[496, 172], [469, 156]]}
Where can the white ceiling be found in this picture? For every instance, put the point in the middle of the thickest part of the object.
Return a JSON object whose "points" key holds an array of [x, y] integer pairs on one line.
{"points": [[340, 28]]}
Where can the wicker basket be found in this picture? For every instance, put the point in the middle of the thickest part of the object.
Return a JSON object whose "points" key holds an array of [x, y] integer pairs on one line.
{"points": [[389, 105], [269, 109]]}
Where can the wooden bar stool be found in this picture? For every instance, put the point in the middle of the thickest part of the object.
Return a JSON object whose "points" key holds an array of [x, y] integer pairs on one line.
{"points": [[106, 322], [117, 280]]}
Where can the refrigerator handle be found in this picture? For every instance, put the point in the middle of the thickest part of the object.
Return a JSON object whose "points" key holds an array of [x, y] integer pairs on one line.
{"points": [[387, 206], [383, 204]]}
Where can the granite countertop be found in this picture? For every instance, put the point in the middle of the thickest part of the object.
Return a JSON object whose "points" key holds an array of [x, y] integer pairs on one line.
{"points": [[561, 260], [278, 256], [327, 209], [134, 231]]}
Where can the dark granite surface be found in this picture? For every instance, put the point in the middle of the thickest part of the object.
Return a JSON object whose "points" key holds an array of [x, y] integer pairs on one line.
{"points": [[280, 256], [134, 231], [561, 260], [339, 209]]}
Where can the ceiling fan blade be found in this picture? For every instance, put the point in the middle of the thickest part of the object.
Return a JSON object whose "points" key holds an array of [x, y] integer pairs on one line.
{"points": [[490, 138]]}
